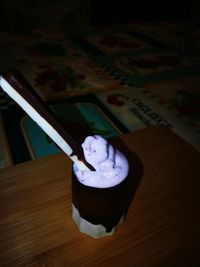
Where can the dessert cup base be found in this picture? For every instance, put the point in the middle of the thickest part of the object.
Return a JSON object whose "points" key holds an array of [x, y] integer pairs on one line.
{"points": [[93, 230]]}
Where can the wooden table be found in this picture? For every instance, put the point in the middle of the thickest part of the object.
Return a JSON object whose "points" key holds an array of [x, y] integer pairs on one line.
{"points": [[162, 227]]}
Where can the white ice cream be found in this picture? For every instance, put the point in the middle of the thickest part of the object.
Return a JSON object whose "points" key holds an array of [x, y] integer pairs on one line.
{"points": [[111, 166]]}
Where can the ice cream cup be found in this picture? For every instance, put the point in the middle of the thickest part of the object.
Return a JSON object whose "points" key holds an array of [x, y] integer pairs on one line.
{"points": [[97, 212], [99, 204]]}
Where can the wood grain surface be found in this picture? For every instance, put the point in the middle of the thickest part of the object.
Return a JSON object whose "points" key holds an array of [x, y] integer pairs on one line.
{"points": [[162, 227]]}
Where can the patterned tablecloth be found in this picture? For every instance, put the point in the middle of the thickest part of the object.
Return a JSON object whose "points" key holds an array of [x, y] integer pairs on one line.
{"points": [[119, 78]]}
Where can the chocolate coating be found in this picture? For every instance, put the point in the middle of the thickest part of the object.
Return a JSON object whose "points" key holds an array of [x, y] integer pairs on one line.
{"points": [[103, 206]]}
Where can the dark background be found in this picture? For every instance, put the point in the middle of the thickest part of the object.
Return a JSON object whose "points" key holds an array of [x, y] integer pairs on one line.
{"points": [[141, 10], [113, 11]]}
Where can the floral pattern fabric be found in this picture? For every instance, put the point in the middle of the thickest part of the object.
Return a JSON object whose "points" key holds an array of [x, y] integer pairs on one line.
{"points": [[108, 66]]}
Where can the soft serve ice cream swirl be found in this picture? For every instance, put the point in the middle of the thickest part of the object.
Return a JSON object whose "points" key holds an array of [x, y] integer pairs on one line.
{"points": [[111, 166]]}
